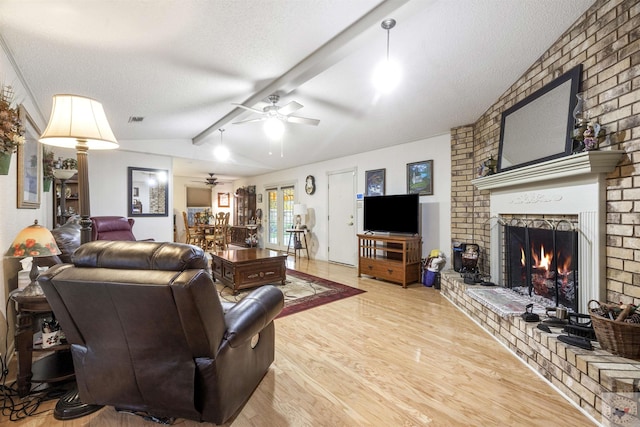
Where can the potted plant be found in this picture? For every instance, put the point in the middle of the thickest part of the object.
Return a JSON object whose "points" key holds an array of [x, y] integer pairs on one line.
{"points": [[48, 164], [70, 164], [65, 169], [11, 129]]}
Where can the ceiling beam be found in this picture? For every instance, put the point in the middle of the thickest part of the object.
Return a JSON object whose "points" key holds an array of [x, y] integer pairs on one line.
{"points": [[322, 59]]}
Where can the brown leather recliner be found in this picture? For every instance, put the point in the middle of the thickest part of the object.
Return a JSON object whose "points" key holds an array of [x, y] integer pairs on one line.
{"points": [[112, 228], [148, 332]]}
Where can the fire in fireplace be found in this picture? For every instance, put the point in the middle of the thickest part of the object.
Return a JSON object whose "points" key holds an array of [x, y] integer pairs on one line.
{"points": [[543, 261]]}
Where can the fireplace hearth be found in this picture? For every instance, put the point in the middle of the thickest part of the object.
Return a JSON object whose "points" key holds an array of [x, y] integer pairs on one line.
{"points": [[541, 259]]}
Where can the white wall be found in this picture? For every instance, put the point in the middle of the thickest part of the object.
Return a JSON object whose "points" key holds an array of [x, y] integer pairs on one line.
{"points": [[108, 177], [436, 209], [12, 219]]}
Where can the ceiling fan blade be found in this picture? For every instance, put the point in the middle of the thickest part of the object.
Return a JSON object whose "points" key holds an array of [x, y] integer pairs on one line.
{"points": [[249, 108], [249, 121], [303, 120], [289, 108]]}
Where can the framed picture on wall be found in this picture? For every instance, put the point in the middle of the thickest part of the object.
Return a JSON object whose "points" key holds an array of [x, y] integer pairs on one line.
{"points": [[29, 164], [374, 180], [223, 200], [420, 178]]}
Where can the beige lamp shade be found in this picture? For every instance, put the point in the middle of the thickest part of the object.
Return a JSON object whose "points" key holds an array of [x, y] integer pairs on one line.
{"points": [[77, 118], [300, 209], [33, 241]]}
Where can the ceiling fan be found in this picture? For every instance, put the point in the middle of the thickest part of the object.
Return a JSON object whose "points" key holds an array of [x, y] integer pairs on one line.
{"points": [[283, 113], [212, 181]]}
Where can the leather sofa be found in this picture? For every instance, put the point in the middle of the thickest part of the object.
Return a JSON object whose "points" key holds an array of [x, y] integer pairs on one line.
{"points": [[149, 334]]}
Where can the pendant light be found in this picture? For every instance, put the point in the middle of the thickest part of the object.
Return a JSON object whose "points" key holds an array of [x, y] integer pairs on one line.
{"points": [[221, 153], [387, 74]]}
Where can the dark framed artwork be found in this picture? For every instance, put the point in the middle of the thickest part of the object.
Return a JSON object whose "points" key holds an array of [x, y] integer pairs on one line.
{"points": [[223, 200], [374, 181], [420, 178], [29, 164]]}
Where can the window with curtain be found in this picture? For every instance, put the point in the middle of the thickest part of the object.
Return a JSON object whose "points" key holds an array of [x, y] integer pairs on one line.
{"points": [[198, 197], [198, 200]]}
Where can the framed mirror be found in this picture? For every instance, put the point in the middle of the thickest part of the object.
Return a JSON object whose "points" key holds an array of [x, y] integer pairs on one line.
{"points": [[148, 192], [539, 127]]}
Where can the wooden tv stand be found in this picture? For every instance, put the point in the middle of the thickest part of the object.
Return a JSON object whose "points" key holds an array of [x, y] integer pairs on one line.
{"points": [[395, 258]]}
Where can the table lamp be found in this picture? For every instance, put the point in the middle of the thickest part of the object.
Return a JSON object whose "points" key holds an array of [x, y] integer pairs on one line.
{"points": [[79, 122], [33, 241], [298, 211]]}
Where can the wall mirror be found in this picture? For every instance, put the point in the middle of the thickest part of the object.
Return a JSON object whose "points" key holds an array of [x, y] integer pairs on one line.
{"points": [[148, 192], [539, 127]]}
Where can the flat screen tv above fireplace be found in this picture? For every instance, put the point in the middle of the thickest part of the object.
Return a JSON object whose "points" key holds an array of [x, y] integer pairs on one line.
{"points": [[398, 213]]}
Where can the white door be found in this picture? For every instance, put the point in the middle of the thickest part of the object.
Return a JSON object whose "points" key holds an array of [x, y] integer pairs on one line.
{"points": [[342, 217]]}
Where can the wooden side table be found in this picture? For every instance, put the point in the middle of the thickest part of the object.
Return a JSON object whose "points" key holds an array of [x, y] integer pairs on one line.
{"points": [[55, 367], [296, 234]]}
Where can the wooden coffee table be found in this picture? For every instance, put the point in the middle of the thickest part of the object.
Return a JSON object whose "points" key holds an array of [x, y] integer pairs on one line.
{"points": [[248, 268]]}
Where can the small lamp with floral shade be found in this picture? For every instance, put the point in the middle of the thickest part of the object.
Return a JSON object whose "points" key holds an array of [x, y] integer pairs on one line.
{"points": [[33, 241]]}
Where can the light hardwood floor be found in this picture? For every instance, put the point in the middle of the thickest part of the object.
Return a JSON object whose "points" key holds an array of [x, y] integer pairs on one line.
{"points": [[388, 357]]}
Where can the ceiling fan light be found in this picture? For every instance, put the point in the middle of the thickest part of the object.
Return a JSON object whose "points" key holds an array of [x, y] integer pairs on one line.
{"points": [[274, 128], [221, 153], [386, 76]]}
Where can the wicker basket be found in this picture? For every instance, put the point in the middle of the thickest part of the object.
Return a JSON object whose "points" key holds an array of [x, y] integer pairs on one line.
{"points": [[619, 338]]}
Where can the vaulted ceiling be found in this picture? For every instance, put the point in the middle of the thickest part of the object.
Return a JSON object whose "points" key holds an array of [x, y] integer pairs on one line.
{"points": [[183, 64]]}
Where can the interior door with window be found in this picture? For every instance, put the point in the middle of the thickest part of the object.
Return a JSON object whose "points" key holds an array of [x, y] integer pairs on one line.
{"points": [[342, 217]]}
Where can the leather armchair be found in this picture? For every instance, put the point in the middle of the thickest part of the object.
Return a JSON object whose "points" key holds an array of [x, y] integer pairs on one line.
{"points": [[148, 332], [112, 228]]}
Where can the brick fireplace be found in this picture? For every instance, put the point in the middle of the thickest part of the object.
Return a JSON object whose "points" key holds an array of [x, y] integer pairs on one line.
{"points": [[572, 187], [569, 186]]}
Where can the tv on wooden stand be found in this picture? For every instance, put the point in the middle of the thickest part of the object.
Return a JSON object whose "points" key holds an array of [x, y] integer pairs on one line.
{"points": [[391, 247], [394, 214]]}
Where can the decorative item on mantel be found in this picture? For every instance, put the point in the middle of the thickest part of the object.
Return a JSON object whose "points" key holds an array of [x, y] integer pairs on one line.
{"points": [[488, 167], [586, 135], [11, 129], [588, 139]]}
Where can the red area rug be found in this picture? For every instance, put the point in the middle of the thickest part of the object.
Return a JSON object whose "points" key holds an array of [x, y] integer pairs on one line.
{"points": [[301, 291]]}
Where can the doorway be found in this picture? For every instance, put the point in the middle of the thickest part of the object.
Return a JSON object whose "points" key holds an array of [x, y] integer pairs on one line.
{"points": [[342, 217], [279, 216]]}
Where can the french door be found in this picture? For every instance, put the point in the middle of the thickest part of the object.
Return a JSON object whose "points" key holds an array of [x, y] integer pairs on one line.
{"points": [[280, 202]]}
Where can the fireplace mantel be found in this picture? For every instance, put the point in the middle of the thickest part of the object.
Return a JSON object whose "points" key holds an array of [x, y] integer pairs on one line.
{"points": [[573, 185], [587, 163]]}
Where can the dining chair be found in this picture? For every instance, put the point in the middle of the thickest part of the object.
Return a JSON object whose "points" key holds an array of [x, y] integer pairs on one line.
{"points": [[193, 235], [218, 239]]}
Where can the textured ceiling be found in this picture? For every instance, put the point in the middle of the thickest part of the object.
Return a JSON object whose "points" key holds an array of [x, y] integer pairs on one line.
{"points": [[181, 65]]}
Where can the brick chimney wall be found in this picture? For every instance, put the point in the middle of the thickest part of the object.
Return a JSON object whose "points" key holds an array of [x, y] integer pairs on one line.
{"points": [[606, 41]]}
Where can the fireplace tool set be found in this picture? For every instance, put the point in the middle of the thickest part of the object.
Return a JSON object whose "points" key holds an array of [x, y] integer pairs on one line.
{"points": [[578, 327]]}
